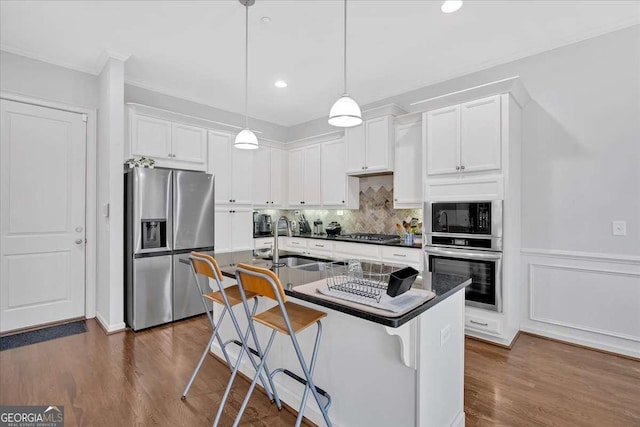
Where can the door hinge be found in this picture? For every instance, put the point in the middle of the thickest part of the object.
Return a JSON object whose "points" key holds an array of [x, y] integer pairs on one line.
{"points": [[85, 118]]}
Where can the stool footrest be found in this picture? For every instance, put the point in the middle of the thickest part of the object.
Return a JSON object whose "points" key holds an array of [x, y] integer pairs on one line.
{"points": [[302, 381], [239, 344]]}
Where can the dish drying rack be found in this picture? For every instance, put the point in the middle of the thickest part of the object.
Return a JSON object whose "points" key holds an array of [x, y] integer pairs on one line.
{"points": [[368, 283]]}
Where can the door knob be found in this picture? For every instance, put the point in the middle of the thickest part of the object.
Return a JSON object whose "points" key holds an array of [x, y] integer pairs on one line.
{"points": [[78, 241]]}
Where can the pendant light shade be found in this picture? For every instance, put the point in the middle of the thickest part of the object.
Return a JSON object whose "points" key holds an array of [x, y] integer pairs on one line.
{"points": [[345, 112], [246, 139]]}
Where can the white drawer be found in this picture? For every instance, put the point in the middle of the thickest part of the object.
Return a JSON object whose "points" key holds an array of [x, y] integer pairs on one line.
{"points": [[294, 243], [317, 245], [358, 250], [480, 323], [401, 255], [263, 243]]}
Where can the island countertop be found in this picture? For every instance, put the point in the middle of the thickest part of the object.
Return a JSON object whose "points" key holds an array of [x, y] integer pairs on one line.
{"points": [[442, 285]]}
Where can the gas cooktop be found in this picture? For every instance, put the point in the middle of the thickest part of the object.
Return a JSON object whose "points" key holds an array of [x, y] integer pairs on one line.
{"points": [[369, 237]]}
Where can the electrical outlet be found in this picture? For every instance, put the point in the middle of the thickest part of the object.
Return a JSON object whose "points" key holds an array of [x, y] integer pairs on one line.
{"points": [[619, 228], [445, 334], [339, 213]]}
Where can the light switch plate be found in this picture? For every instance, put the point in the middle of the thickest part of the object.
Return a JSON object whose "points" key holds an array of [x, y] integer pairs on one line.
{"points": [[619, 228], [339, 213]]}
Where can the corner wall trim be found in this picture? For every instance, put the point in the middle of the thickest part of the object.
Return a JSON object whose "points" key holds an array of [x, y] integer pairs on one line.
{"points": [[110, 329]]}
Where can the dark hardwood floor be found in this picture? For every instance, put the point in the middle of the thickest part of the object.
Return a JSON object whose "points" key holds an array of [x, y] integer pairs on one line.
{"points": [[131, 379]]}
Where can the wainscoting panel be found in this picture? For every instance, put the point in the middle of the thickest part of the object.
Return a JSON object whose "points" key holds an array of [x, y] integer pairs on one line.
{"points": [[600, 301], [587, 299]]}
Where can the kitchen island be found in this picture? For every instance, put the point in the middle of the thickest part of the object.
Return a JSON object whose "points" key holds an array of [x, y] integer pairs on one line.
{"points": [[379, 370]]}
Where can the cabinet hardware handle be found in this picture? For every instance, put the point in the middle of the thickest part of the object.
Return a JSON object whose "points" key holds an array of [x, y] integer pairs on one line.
{"points": [[457, 168], [343, 201], [400, 255], [319, 246], [230, 200], [169, 155], [395, 200], [478, 323], [462, 167]]}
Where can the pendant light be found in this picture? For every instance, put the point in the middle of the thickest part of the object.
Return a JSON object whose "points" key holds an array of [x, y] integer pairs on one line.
{"points": [[345, 112], [246, 139]]}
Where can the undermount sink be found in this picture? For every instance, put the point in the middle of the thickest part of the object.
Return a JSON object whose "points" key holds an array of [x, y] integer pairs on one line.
{"points": [[303, 263]]}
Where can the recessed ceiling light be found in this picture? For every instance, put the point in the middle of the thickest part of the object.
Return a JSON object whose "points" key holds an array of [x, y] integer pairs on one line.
{"points": [[265, 19], [280, 84], [450, 6]]}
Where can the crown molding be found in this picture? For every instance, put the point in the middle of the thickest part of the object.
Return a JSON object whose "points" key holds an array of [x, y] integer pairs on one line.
{"points": [[49, 60], [108, 54]]}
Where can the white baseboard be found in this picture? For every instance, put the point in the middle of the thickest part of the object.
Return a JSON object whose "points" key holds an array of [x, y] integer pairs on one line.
{"points": [[586, 342], [459, 421], [110, 329]]}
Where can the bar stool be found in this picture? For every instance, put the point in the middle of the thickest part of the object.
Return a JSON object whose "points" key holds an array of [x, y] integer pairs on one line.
{"points": [[206, 266], [287, 318]]}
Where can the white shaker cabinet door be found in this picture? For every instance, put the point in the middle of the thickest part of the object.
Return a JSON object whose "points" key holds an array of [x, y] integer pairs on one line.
{"points": [[150, 137], [379, 144], [222, 228], [480, 135], [277, 177], [189, 143], [241, 175], [312, 176], [220, 145], [333, 173], [262, 177], [443, 140], [407, 185], [242, 229], [354, 138], [296, 177]]}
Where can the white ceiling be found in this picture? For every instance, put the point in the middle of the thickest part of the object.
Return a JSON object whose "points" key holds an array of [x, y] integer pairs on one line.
{"points": [[195, 50]]}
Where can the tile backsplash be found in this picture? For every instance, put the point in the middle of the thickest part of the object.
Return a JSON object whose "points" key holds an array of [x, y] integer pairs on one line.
{"points": [[376, 213]]}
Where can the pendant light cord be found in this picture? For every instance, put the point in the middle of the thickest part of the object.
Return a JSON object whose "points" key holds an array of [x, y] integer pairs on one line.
{"points": [[246, 67], [345, 46]]}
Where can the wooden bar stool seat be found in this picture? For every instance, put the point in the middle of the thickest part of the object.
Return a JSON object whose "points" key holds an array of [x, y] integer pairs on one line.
{"points": [[233, 295], [301, 317]]}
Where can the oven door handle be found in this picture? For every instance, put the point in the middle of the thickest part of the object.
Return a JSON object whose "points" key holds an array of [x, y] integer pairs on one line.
{"points": [[465, 254]]}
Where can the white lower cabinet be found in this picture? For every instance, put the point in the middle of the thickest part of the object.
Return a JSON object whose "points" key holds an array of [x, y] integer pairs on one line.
{"points": [[411, 257], [233, 230], [293, 244], [321, 248]]}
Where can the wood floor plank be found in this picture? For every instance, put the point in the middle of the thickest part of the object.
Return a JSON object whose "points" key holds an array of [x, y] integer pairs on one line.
{"points": [[136, 379]]}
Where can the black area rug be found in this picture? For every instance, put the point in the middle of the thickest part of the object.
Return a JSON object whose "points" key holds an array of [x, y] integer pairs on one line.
{"points": [[45, 334]]}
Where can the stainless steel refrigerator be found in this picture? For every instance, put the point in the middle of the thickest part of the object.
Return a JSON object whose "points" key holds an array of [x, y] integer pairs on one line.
{"points": [[168, 214]]}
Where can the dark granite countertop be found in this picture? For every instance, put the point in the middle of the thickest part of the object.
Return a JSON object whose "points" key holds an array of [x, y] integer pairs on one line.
{"points": [[399, 243], [442, 285]]}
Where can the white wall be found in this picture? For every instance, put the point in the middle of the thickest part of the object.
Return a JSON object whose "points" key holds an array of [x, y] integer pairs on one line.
{"points": [[581, 141], [29, 77]]}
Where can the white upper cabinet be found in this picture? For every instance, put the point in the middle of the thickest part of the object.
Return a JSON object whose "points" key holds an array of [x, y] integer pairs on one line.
{"points": [[370, 146], [150, 137], [443, 140], [173, 145], [304, 176], [480, 134], [338, 190], [233, 229], [232, 169], [189, 143], [268, 177], [407, 182], [465, 137]]}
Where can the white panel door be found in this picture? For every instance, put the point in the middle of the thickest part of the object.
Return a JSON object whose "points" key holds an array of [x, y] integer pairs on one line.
{"points": [[150, 137], [242, 229], [220, 145], [480, 140], [407, 185], [312, 176], [222, 223], [443, 140], [379, 145], [262, 178], [333, 173], [241, 175], [42, 222], [354, 138], [296, 177], [189, 143], [277, 177]]}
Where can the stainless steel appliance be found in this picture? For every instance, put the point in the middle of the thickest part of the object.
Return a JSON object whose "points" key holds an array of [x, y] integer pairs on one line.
{"points": [[333, 229], [369, 237], [465, 239], [317, 227], [168, 214]]}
